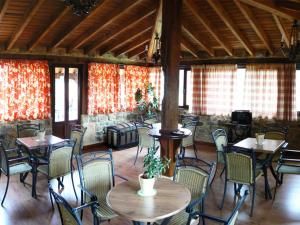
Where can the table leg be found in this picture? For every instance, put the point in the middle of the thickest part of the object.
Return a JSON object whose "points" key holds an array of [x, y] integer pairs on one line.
{"points": [[34, 178]]}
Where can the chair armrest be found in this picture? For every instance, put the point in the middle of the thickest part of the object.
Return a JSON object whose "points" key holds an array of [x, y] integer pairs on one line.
{"points": [[89, 204], [189, 208], [123, 178], [92, 196]]}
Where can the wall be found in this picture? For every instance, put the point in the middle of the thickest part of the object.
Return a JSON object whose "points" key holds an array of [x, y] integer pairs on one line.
{"points": [[96, 124], [8, 130], [210, 123]]}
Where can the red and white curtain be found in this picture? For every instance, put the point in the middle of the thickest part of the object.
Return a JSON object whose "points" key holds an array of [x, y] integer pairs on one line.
{"points": [[156, 78], [213, 88], [103, 88], [24, 90], [135, 77]]}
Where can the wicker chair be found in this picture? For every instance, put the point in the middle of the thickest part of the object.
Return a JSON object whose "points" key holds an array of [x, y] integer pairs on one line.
{"points": [[220, 139], [188, 141], [77, 133], [288, 163], [191, 173], [13, 165], [97, 177], [229, 221], [27, 129], [241, 169], [59, 163], [69, 215], [145, 141]]}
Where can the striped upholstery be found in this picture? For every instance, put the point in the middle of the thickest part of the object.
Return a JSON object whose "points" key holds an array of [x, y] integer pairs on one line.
{"points": [[59, 163], [146, 141], [240, 169], [78, 136], [19, 168], [188, 141], [66, 216], [196, 181], [219, 141], [97, 178]]}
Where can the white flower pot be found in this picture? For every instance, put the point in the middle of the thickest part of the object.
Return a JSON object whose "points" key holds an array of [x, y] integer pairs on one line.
{"points": [[260, 138], [146, 186]]}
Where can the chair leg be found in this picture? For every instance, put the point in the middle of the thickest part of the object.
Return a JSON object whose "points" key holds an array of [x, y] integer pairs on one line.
{"points": [[225, 189], [137, 153], [253, 198], [235, 190], [222, 171], [195, 151], [73, 183], [81, 211], [5, 190]]}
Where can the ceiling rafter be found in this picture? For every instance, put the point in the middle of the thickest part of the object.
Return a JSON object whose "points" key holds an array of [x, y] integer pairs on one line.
{"points": [[123, 30], [208, 26], [67, 34], [126, 40], [189, 47], [34, 6], [4, 9], [138, 49], [46, 31], [269, 6], [115, 15], [216, 5], [282, 30], [246, 11], [199, 42], [156, 30], [133, 45]]}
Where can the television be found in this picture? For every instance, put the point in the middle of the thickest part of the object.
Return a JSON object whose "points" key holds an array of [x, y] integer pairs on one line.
{"points": [[241, 117]]}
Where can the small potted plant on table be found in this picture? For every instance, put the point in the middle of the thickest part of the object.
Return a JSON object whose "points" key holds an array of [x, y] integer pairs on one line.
{"points": [[153, 167]]}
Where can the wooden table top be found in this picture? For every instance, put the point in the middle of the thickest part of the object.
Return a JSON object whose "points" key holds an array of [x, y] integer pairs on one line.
{"points": [[170, 199], [269, 146], [179, 134], [35, 142]]}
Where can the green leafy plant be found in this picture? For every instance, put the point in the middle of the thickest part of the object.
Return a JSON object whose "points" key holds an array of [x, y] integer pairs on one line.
{"points": [[146, 104], [153, 165]]}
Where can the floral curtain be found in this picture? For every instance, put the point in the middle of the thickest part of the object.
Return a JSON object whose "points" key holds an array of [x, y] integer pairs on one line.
{"points": [[24, 90], [269, 90], [156, 79], [135, 77], [213, 89], [103, 88]]}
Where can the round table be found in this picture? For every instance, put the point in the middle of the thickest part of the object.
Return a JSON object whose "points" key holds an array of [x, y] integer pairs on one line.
{"points": [[170, 199]]}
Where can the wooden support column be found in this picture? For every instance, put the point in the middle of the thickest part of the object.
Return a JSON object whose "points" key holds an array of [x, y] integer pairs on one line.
{"points": [[170, 50]]}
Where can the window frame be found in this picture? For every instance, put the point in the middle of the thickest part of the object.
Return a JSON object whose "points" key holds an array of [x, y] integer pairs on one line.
{"points": [[185, 71]]}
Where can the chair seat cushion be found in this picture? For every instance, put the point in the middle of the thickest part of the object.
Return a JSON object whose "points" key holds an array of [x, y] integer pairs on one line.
{"points": [[288, 169], [104, 211], [43, 169], [19, 168], [180, 218]]}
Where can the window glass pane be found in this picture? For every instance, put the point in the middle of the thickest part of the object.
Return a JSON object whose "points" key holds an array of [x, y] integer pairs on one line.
{"points": [[239, 90], [298, 90], [59, 94], [181, 87], [189, 88], [73, 93]]}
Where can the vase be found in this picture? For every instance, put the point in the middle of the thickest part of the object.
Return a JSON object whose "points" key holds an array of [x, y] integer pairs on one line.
{"points": [[147, 186], [260, 138]]}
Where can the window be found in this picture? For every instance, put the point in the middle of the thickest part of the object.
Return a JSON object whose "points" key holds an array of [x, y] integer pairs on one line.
{"points": [[185, 88], [298, 90]]}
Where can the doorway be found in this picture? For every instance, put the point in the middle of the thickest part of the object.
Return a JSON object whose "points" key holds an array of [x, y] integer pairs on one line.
{"points": [[66, 98]]}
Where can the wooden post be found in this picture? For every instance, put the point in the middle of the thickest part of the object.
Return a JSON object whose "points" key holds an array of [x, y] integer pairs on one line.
{"points": [[170, 50]]}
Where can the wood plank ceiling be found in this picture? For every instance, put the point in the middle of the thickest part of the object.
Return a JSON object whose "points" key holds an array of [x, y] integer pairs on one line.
{"points": [[119, 30]]}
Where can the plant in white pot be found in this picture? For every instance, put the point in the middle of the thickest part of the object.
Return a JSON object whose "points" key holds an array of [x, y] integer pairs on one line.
{"points": [[153, 167]]}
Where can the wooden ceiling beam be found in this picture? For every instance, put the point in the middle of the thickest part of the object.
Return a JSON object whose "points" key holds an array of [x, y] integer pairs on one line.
{"points": [[208, 26], [189, 47], [217, 6], [156, 30], [133, 45], [138, 50], [255, 24], [199, 42], [125, 40], [271, 7], [34, 6], [4, 9], [282, 30], [113, 16], [48, 29], [68, 32], [101, 43]]}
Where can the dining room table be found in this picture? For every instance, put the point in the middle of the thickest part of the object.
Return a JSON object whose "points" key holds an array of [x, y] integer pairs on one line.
{"points": [[31, 145], [170, 199], [268, 147]]}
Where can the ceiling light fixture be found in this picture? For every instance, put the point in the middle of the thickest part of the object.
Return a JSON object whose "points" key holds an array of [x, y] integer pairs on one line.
{"points": [[293, 48]]}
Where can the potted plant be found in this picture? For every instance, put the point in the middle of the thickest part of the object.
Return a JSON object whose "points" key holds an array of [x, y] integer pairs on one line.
{"points": [[153, 167]]}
